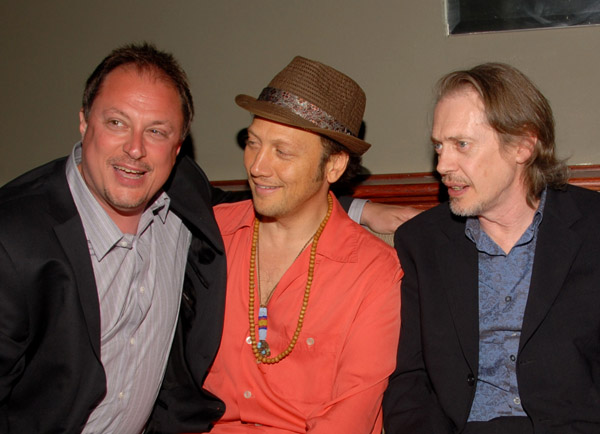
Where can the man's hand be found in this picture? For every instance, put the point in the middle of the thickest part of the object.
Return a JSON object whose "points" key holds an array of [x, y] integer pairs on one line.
{"points": [[385, 219]]}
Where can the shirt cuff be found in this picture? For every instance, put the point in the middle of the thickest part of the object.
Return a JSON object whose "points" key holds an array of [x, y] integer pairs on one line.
{"points": [[356, 209]]}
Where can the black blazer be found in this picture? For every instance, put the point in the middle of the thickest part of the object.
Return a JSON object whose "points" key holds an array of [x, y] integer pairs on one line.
{"points": [[51, 376], [558, 363]]}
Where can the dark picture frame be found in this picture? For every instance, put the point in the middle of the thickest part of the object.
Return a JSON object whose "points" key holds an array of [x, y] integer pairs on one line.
{"points": [[475, 16]]}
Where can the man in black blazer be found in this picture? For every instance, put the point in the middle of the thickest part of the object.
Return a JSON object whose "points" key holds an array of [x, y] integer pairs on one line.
{"points": [[74, 358], [500, 321]]}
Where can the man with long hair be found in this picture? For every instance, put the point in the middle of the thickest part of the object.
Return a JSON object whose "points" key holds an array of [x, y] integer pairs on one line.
{"points": [[500, 325]]}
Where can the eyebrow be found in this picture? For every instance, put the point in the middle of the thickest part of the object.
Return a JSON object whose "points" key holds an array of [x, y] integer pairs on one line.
{"points": [[453, 139], [277, 141], [125, 115], [115, 110], [250, 132], [162, 122]]}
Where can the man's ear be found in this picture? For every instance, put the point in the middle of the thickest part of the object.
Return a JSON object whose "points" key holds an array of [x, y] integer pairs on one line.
{"points": [[526, 148], [336, 166], [82, 123]]}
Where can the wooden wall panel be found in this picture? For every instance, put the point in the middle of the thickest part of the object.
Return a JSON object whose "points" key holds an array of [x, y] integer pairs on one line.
{"points": [[422, 190]]}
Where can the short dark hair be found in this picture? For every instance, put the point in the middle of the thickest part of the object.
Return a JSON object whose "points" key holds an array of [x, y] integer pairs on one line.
{"points": [[145, 57], [514, 107], [331, 147]]}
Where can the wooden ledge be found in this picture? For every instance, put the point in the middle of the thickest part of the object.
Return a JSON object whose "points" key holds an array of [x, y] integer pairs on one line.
{"points": [[422, 190]]}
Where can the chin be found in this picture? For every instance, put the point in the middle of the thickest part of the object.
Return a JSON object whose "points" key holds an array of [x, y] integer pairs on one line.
{"points": [[268, 213], [464, 211], [127, 203]]}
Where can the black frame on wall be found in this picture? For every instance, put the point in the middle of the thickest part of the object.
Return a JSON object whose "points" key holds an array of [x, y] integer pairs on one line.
{"points": [[474, 16]]}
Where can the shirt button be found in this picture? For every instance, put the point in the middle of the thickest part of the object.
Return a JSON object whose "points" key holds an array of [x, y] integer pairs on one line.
{"points": [[517, 400], [508, 299], [247, 394], [512, 357], [142, 289], [310, 341], [123, 243], [249, 340], [132, 341], [121, 394]]}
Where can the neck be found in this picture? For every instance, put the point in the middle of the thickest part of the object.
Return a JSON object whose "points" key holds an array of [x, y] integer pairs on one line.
{"points": [[507, 227], [282, 232], [126, 224], [280, 243]]}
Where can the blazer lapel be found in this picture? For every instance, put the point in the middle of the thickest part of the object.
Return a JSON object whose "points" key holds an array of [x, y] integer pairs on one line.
{"points": [[72, 238], [457, 259], [557, 246], [71, 235]]}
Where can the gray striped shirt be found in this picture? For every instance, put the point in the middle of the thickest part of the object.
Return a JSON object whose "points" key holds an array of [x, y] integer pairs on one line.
{"points": [[139, 279]]}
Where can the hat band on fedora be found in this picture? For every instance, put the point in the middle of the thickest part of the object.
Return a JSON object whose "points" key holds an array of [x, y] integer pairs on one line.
{"points": [[301, 107]]}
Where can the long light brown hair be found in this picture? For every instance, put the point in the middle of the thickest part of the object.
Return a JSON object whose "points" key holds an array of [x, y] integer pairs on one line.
{"points": [[514, 108]]}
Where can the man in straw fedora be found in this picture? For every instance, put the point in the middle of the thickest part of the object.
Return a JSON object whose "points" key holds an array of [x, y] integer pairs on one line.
{"points": [[312, 308]]}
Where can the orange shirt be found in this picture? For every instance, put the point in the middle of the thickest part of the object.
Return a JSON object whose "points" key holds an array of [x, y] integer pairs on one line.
{"points": [[334, 379]]}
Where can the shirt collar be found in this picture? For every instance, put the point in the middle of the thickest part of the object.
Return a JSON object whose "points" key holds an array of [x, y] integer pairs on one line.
{"points": [[485, 244], [337, 232], [101, 232]]}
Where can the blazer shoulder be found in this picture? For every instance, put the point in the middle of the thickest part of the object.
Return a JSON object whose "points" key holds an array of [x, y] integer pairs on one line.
{"points": [[44, 188], [430, 228], [191, 197], [573, 204], [439, 216], [35, 182], [582, 196]]}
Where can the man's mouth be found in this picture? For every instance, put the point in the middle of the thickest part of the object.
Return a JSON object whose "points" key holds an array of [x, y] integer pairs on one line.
{"points": [[128, 172], [265, 189], [455, 188]]}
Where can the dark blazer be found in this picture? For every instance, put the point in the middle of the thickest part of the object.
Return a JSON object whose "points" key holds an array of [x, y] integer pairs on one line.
{"points": [[558, 363], [51, 376]]}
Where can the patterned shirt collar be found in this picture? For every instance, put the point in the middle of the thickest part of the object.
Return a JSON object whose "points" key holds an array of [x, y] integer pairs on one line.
{"points": [[101, 232], [485, 244]]}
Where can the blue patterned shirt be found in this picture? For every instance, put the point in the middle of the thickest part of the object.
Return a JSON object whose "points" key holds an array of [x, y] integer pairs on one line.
{"points": [[504, 280]]}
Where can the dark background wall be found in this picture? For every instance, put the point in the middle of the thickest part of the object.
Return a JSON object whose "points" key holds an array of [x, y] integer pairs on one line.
{"points": [[396, 50]]}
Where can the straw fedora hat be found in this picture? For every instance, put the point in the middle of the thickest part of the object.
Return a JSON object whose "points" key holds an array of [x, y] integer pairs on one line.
{"points": [[315, 97]]}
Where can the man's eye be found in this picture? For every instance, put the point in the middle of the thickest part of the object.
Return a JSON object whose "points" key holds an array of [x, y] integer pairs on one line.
{"points": [[463, 144], [437, 147]]}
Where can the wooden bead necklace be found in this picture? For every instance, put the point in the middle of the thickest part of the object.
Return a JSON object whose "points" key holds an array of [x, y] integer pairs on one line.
{"points": [[260, 358]]}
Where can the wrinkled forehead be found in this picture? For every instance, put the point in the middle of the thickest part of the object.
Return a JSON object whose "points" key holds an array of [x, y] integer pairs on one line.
{"points": [[459, 115], [144, 72], [466, 90], [460, 103]]}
